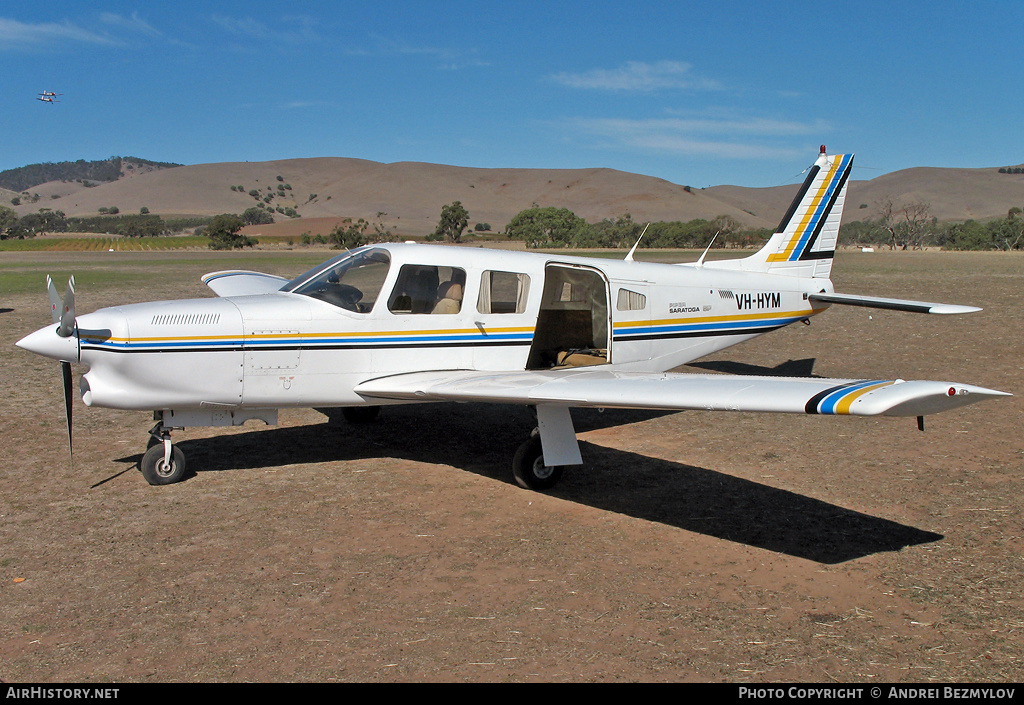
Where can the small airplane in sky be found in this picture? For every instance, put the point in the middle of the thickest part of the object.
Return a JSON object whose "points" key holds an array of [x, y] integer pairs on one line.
{"points": [[48, 97], [407, 323]]}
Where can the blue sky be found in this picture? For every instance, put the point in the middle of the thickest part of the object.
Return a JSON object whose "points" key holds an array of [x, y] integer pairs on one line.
{"points": [[699, 94]]}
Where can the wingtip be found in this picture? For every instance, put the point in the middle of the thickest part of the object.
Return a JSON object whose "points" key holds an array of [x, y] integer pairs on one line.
{"points": [[953, 309]]}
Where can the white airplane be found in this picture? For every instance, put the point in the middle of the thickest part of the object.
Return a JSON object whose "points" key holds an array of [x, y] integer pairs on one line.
{"points": [[408, 323]]}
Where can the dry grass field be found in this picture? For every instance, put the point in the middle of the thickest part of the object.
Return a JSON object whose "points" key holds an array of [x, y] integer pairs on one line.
{"points": [[691, 547]]}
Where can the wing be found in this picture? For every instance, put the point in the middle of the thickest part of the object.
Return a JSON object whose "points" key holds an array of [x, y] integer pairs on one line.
{"points": [[605, 388], [237, 282]]}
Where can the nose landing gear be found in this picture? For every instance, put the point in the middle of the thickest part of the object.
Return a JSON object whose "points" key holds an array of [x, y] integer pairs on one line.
{"points": [[163, 463]]}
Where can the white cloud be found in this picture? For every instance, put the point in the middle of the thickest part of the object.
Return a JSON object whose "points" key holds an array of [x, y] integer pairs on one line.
{"points": [[291, 29], [746, 126], [751, 138], [638, 76], [15, 34], [448, 59], [132, 24]]}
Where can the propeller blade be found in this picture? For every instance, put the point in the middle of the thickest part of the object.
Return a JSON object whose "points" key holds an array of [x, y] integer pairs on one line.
{"points": [[56, 306], [67, 315], [65, 368]]}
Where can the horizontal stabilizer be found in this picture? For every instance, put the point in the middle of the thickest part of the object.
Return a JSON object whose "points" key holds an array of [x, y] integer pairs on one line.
{"points": [[603, 388], [237, 282], [891, 304]]}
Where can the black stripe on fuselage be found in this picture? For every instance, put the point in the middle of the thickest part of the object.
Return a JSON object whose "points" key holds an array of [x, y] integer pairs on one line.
{"points": [[698, 334], [352, 346]]}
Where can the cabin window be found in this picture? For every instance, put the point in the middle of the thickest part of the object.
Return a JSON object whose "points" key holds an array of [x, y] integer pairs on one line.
{"points": [[422, 288], [352, 282], [630, 301], [503, 292]]}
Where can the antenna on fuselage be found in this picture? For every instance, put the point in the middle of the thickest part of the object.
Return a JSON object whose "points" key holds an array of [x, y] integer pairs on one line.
{"points": [[700, 261], [629, 255]]}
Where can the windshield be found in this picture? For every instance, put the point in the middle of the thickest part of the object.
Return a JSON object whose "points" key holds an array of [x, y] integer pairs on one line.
{"points": [[351, 281]]}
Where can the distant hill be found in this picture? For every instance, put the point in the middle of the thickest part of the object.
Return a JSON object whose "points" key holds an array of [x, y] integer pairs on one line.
{"points": [[314, 194], [409, 194], [25, 178], [952, 194]]}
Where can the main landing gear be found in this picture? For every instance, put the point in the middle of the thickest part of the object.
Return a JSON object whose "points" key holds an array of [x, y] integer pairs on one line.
{"points": [[529, 468], [163, 462]]}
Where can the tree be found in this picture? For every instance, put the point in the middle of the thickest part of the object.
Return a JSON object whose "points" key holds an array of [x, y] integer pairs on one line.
{"points": [[224, 233], [1007, 234], [910, 231], [548, 227], [7, 220], [348, 235], [454, 219], [621, 232], [382, 233], [45, 221], [257, 216]]}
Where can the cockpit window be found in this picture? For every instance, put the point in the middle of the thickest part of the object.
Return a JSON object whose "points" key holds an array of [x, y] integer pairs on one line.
{"points": [[352, 281]]}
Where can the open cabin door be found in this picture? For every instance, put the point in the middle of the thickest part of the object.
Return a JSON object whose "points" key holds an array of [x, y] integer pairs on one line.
{"points": [[573, 327]]}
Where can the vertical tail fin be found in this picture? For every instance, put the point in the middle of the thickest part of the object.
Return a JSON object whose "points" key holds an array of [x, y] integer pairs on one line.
{"points": [[805, 241]]}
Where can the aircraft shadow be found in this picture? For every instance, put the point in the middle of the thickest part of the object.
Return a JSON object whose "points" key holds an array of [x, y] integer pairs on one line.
{"points": [[790, 368], [6, 310], [482, 439]]}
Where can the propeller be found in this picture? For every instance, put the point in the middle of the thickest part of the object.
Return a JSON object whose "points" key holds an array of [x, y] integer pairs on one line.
{"points": [[63, 312]]}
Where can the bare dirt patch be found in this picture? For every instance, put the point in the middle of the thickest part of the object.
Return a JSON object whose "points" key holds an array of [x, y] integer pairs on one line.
{"points": [[691, 547]]}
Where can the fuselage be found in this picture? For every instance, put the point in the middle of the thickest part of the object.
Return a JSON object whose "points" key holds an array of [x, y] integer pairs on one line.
{"points": [[396, 308]]}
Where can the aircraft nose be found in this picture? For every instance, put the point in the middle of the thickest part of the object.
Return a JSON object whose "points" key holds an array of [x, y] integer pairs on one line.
{"points": [[47, 343]]}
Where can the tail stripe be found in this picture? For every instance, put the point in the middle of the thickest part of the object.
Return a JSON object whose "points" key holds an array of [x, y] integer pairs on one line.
{"points": [[822, 217], [815, 215], [806, 233], [811, 175]]}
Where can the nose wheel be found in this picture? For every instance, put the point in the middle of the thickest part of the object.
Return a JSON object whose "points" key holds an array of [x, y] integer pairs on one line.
{"points": [[163, 462]]}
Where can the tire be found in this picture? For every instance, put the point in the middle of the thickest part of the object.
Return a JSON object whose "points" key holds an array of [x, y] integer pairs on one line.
{"points": [[154, 470], [529, 469]]}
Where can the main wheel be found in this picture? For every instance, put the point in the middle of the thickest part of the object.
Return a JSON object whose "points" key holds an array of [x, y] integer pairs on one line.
{"points": [[157, 472], [529, 469]]}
